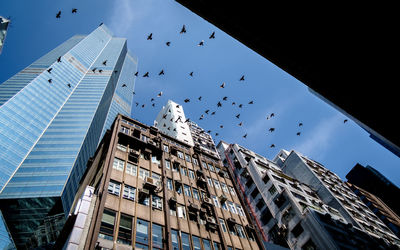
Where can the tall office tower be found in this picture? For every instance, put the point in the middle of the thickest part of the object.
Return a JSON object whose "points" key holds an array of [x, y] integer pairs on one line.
{"points": [[4, 22], [374, 182], [380, 209], [334, 192], [147, 190], [171, 120], [52, 116]]}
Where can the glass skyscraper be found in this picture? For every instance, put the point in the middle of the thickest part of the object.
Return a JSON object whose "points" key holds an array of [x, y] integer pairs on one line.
{"points": [[53, 115]]}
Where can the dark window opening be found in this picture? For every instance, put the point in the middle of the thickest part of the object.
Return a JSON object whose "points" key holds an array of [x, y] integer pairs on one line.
{"points": [[297, 230]]}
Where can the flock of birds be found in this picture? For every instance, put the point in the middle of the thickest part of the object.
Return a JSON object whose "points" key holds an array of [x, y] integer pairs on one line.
{"points": [[187, 100]]}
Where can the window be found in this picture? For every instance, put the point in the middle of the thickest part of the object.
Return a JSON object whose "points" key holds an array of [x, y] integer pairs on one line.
{"points": [[217, 169], [224, 206], [215, 199], [187, 157], [254, 193], [118, 164], [240, 231], [131, 169], [186, 190], [172, 211], [156, 202], [155, 159], [217, 246], [124, 130], [121, 147], [156, 177], [240, 210], [232, 207], [191, 174], [260, 204], [209, 181], [178, 187], [272, 190], [224, 187], [165, 148], [167, 164], [114, 187], [196, 243], [232, 190], [107, 225], [180, 154], [181, 212], [125, 230], [204, 165], [143, 173], [195, 194], [266, 216], [206, 244], [169, 184], [216, 184], [145, 138], [143, 198], [184, 171], [142, 234], [222, 222], [175, 167], [211, 167], [195, 162], [157, 236], [265, 178], [231, 228], [297, 230], [129, 192], [174, 239], [185, 241]]}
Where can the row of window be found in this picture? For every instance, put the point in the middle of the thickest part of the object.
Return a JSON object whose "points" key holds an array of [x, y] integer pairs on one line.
{"points": [[131, 169]]}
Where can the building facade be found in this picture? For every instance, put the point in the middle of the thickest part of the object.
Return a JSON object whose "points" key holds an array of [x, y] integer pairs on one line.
{"points": [[290, 211], [4, 22], [52, 116], [151, 191]]}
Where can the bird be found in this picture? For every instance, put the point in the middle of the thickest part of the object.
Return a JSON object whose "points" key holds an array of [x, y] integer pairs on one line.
{"points": [[300, 124], [241, 78], [251, 102], [59, 59], [201, 117], [298, 133], [159, 94], [345, 120], [237, 116], [208, 131], [240, 105], [137, 104], [100, 24], [271, 129], [69, 85], [176, 106], [164, 116], [153, 104], [240, 124], [272, 115], [94, 70], [245, 136], [161, 72], [183, 30], [187, 120], [199, 98], [152, 99], [213, 113], [105, 63], [124, 85], [100, 70], [191, 74], [134, 93], [225, 98], [137, 72], [168, 43], [150, 37], [201, 43], [143, 105], [221, 126], [219, 104], [207, 111], [272, 146], [187, 100], [74, 10], [115, 71], [212, 36], [222, 85], [58, 14], [49, 70], [50, 80], [233, 103], [216, 134], [146, 74]]}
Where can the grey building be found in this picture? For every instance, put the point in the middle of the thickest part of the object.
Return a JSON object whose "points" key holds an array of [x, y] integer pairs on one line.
{"points": [[4, 23], [291, 211]]}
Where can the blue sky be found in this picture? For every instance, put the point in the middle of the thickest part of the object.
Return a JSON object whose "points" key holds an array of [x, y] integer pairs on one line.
{"points": [[324, 137]]}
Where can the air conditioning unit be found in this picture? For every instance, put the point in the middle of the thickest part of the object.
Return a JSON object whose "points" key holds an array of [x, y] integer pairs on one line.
{"points": [[150, 183], [231, 220], [151, 142], [134, 151]]}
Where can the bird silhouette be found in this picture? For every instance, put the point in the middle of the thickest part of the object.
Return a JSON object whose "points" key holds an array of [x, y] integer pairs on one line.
{"points": [[187, 120], [251, 102], [240, 124], [59, 59], [152, 99], [164, 116], [150, 37], [207, 111], [134, 93], [168, 43], [137, 104], [221, 126], [94, 70], [225, 98], [201, 43], [50, 80], [212, 36], [123, 85], [58, 14], [219, 104], [153, 104], [271, 129], [159, 94], [237, 116], [222, 85], [272, 146], [187, 100], [183, 30], [233, 103], [241, 78], [201, 117], [49, 70], [191, 73], [345, 120], [216, 134], [300, 124], [69, 85], [245, 136], [272, 115], [105, 63], [100, 70], [137, 72], [115, 71], [213, 113], [161, 72], [143, 105], [74, 10], [298, 133], [146, 74], [240, 105], [199, 98]]}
